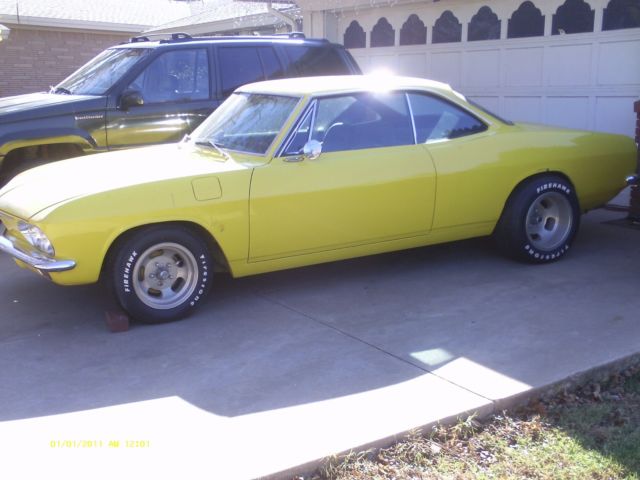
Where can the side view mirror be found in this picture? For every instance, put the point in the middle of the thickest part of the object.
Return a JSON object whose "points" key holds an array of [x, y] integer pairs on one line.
{"points": [[131, 98], [311, 150]]}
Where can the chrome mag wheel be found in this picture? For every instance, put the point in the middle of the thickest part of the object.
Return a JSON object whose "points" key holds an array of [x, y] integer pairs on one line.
{"points": [[549, 221], [165, 276]]}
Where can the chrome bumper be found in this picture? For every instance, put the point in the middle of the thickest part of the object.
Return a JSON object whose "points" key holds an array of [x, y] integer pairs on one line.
{"points": [[633, 179], [43, 265]]}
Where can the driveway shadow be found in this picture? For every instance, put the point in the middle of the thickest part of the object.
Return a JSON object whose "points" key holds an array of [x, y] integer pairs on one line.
{"points": [[311, 334]]}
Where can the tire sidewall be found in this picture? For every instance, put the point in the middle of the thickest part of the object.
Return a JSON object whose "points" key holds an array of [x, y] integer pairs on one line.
{"points": [[527, 197], [510, 233], [129, 255]]}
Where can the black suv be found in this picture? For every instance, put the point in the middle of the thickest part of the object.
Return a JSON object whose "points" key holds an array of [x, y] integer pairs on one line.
{"points": [[146, 92]]}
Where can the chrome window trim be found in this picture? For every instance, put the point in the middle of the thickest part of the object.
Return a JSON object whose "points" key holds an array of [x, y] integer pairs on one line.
{"points": [[413, 120], [310, 110]]}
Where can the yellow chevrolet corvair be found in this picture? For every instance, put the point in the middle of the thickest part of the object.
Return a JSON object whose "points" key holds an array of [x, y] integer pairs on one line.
{"points": [[301, 171]]}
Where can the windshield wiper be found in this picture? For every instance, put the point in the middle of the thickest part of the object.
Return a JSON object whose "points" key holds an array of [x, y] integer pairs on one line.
{"points": [[210, 143], [63, 90]]}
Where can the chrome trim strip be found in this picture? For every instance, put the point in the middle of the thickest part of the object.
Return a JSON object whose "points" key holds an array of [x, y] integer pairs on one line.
{"points": [[413, 120], [40, 264]]}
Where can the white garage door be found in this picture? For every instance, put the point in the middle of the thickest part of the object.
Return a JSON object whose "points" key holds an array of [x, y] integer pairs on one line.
{"points": [[519, 59]]}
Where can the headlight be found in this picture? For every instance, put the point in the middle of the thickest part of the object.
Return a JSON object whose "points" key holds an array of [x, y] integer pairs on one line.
{"points": [[36, 237]]}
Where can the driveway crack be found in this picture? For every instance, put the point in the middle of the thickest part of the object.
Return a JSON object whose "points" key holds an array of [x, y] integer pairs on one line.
{"points": [[364, 342]]}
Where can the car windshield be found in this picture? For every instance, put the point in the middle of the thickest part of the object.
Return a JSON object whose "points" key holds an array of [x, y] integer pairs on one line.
{"points": [[99, 75], [246, 122]]}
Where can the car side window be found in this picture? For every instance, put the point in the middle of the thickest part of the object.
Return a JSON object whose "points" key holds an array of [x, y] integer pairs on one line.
{"points": [[179, 75], [437, 119], [310, 61], [238, 66], [362, 120]]}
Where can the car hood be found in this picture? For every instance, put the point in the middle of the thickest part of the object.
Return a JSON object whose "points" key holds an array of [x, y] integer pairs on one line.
{"points": [[41, 105], [40, 188]]}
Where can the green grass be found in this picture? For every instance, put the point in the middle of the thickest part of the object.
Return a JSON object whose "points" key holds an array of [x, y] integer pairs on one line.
{"points": [[592, 433]]}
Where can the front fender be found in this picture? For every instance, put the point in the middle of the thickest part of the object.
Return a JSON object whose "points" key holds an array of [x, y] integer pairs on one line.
{"points": [[84, 229], [48, 137]]}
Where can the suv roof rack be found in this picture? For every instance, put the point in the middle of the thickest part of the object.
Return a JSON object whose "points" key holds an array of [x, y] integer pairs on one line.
{"points": [[174, 37], [183, 37], [290, 35]]}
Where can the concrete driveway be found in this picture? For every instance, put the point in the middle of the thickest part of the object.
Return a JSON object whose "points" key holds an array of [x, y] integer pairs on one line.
{"points": [[280, 370]]}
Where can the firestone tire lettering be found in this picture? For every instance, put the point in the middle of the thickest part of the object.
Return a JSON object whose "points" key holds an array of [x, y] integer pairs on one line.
{"points": [[123, 272], [511, 230]]}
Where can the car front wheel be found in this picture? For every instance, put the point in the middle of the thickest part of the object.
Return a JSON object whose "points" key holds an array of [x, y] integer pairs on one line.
{"points": [[540, 220], [160, 273]]}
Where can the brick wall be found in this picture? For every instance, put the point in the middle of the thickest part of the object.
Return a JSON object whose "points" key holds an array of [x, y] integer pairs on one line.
{"points": [[32, 60]]}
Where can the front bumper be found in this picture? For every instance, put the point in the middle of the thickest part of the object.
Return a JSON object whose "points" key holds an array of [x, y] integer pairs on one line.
{"points": [[41, 264]]}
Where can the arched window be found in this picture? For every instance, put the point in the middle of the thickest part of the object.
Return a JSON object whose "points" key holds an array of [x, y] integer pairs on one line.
{"points": [[573, 16], [413, 32], [526, 21], [383, 34], [354, 36], [447, 29], [484, 25], [621, 14]]}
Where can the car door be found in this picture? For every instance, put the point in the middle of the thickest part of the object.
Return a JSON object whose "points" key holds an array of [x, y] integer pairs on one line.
{"points": [[176, 92], [371, 183], [473, 178]]}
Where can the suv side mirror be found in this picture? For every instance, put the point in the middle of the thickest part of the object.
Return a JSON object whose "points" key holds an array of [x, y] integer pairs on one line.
{"points": [[312, 150], [131, 98]]}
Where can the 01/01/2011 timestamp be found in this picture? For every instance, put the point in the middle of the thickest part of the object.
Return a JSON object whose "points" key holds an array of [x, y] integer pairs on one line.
{"points": [[82, 444]]}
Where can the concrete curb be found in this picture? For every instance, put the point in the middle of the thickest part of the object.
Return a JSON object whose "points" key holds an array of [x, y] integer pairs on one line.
{"points": [[579, 379]]}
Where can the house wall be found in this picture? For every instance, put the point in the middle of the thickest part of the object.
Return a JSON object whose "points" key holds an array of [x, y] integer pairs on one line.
{"points": [[33, 59]]}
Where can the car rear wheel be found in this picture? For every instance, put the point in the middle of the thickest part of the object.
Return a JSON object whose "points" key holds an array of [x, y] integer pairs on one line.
{"points": [[540, 220], [160, 273]]}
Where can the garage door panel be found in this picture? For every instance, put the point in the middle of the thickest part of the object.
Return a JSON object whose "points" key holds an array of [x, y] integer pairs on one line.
{"points": [[384, 63], [523, 109], [413, 64], [524, 66], [619, 63], [446, 67], [615, 114], [490, 103], [570, 112], [569, 65], [482, 68], [585, 80]]}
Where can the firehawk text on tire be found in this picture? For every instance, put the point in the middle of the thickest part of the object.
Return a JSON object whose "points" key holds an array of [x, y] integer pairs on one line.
{"points": [[540, 220], [161, 273]]}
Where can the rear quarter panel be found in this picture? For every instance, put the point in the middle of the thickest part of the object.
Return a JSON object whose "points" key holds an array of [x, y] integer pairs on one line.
{"points": [[476, 174], [596, 163]]}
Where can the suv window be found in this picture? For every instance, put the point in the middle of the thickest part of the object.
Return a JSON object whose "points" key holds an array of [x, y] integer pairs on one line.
{"points": [[270, 63], [311, 61], [99, 74], [437, 119], [239, 65], [179, 75]]}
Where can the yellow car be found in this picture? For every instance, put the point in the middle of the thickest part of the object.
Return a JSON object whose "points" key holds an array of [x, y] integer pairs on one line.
{"points": [[301, 171]]}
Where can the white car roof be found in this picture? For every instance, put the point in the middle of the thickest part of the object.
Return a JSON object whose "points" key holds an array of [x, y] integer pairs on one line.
{"points": [[328, 85]]}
